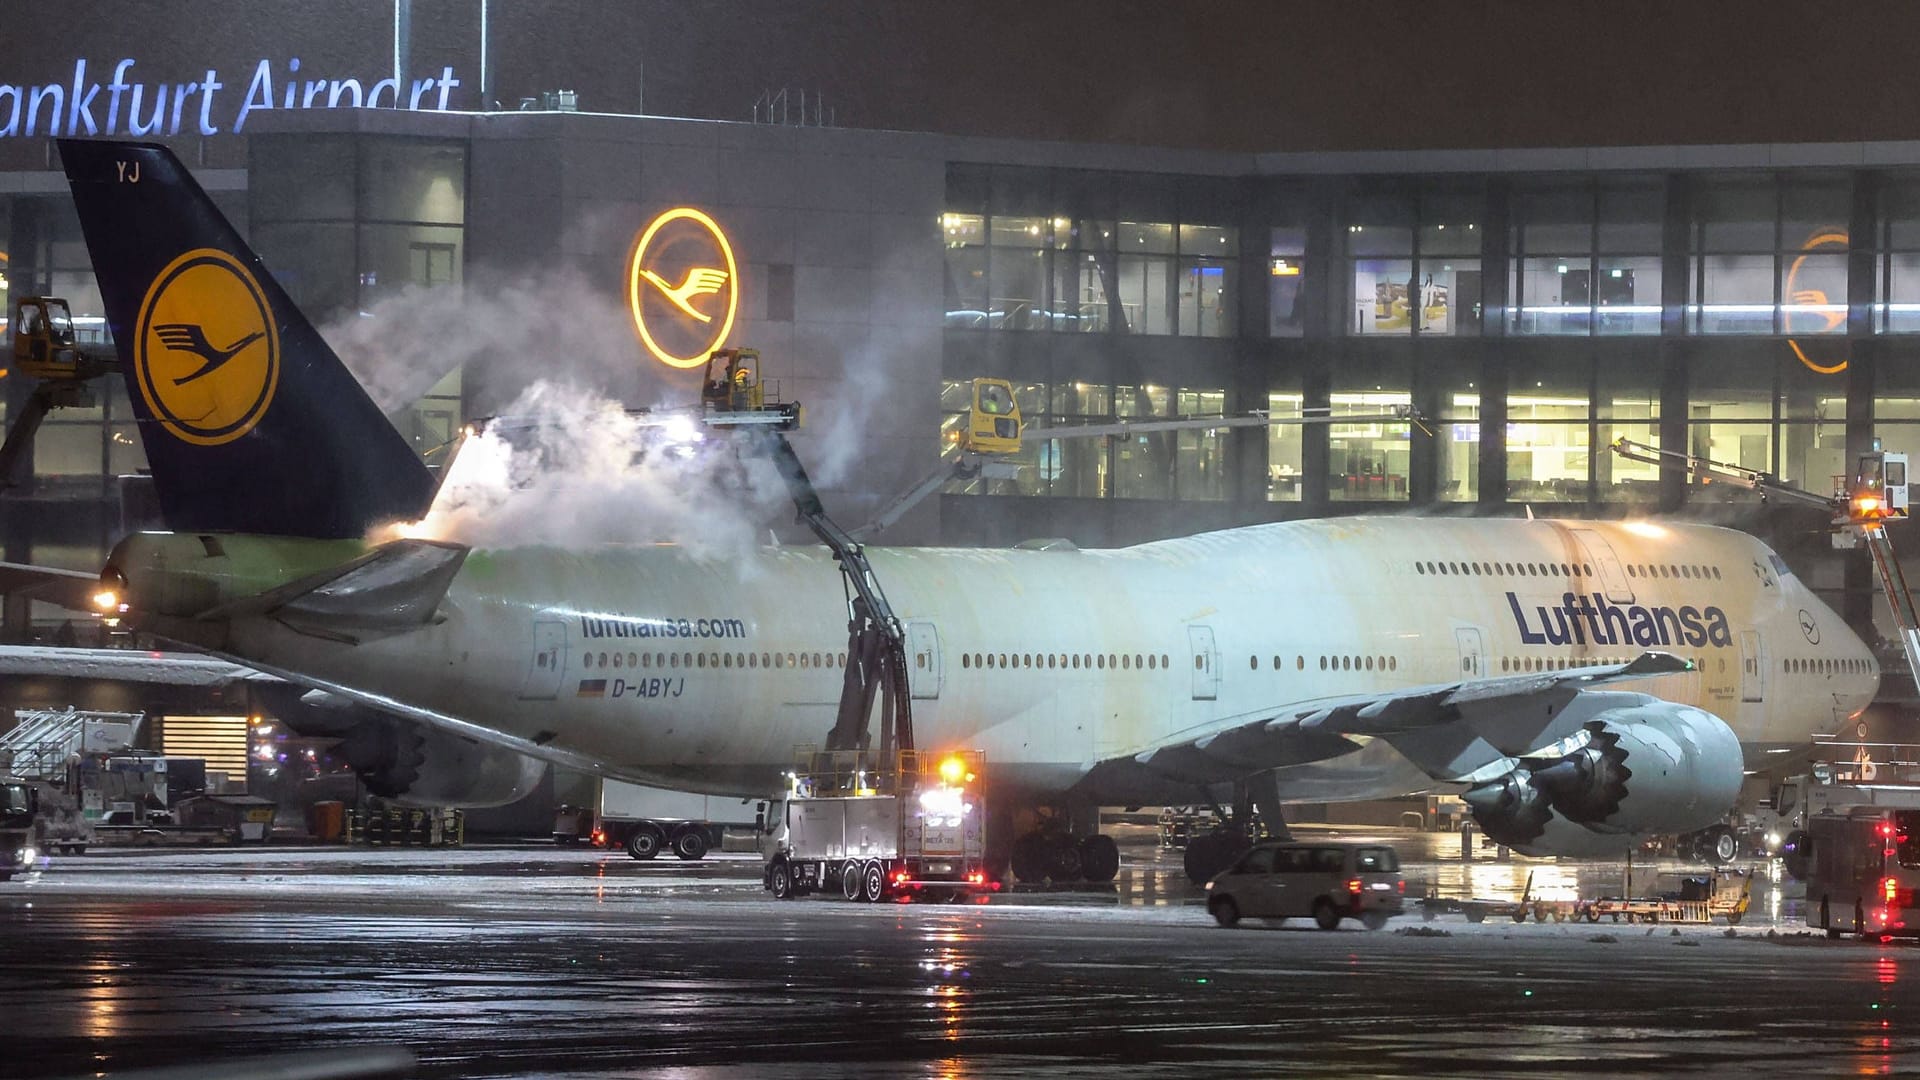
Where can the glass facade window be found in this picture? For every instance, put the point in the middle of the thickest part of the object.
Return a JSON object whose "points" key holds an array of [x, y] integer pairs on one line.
{"points": [[1897, 288], [1200, 470], [1283, 448], [966, 269], [1586, 260], [1549, 451], [1769, 257], [1368, 461], [1286, 273], [1459, 436]]}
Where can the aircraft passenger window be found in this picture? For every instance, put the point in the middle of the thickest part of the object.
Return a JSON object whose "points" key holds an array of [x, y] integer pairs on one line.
{"points": [[701, 660], [1716, 573], [792, 660], [1276, 663], [1136, 660], [1323, 663], [1026, 660], [1253, 663], [1393, 663], [1299, 663], [1112, 661], [616, 659], [1346, 663], [1420, 568], [726, 660], [1100, 662], [1630, 572], [966, 660], [1165, 663], [1503, 663]]}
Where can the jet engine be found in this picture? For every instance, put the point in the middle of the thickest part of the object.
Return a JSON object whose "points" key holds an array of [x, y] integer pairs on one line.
{"points": [[423, 767], [1651, 767]]}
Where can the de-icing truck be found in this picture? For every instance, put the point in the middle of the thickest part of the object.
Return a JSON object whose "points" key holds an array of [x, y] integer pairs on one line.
{"points": [[910, 827]]}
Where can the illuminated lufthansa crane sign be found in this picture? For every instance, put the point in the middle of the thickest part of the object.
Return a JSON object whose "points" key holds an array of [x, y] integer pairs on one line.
{"points": [[683, 287]]}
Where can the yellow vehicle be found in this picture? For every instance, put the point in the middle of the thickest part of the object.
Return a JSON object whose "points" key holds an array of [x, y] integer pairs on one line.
{"points": [[45, 350], [993, 423], [43, 345], [733, 381]]}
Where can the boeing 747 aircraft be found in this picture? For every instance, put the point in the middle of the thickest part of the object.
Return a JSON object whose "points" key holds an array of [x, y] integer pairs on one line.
{"points": [[1580, 683]]}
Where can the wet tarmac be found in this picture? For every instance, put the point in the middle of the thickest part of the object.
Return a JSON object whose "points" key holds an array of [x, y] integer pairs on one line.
{"points": [[537, 962]]}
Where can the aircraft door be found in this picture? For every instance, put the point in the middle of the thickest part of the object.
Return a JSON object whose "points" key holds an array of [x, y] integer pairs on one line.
{"points": [[1206, 664], [1612, 575], [548, 661], [1753, 666], [1473, 659], [923, 647]]}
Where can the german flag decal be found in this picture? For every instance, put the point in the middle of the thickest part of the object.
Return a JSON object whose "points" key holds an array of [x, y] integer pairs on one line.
{"points": [[593, 688]]}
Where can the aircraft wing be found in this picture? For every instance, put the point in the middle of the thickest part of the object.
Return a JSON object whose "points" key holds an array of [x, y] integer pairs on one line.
{"points": [[452, 725], [149, 667], [72, 589], [1388, 743]]}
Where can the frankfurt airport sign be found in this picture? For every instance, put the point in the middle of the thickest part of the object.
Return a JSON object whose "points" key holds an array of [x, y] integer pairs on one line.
{"points": [[120, 104]]}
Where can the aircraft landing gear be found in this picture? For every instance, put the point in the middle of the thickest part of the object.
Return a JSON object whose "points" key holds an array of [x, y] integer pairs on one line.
{"points": [[1052, 853], [1211, 852]]}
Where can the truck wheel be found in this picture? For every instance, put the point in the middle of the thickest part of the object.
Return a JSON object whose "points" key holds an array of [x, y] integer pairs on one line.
{"points": [[874, 880], [780, 880], [852, 882], [1795, 854], [690, 845], [645, 842]]}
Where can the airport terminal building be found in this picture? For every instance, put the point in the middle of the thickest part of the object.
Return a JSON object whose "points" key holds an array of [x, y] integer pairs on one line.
{"points": [[1752, 304], [1756, 304]]}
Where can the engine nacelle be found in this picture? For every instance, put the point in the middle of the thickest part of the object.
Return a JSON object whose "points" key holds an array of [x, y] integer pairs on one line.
{"points": [[1646, 767], [423, 767]]}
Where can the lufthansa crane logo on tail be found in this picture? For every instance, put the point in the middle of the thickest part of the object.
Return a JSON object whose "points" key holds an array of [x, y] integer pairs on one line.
{"points": [[206, 351], [683, 287]]}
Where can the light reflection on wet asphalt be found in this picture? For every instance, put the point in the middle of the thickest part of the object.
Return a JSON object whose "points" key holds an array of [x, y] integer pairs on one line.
{"points": [[533, 962]]}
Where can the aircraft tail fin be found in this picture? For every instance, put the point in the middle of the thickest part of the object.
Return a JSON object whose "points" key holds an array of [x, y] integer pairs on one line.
{"points": [[250, 422]]}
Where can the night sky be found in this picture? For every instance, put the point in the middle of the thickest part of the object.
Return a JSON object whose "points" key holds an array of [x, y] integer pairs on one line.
{"points": [[1265, 76]]}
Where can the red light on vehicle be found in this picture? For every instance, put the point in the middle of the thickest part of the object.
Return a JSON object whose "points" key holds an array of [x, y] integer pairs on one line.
{"points": [[900, 878], [1402, 883], [1891, 888], [1886, 828], [1355, 886]]}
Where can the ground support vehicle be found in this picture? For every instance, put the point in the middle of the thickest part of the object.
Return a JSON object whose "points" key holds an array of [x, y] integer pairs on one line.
{"points": [[19, 808], [1729, 902], [913, 828], [646, 821], [1820, 794], [1478, 909], [1864, 873]]}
